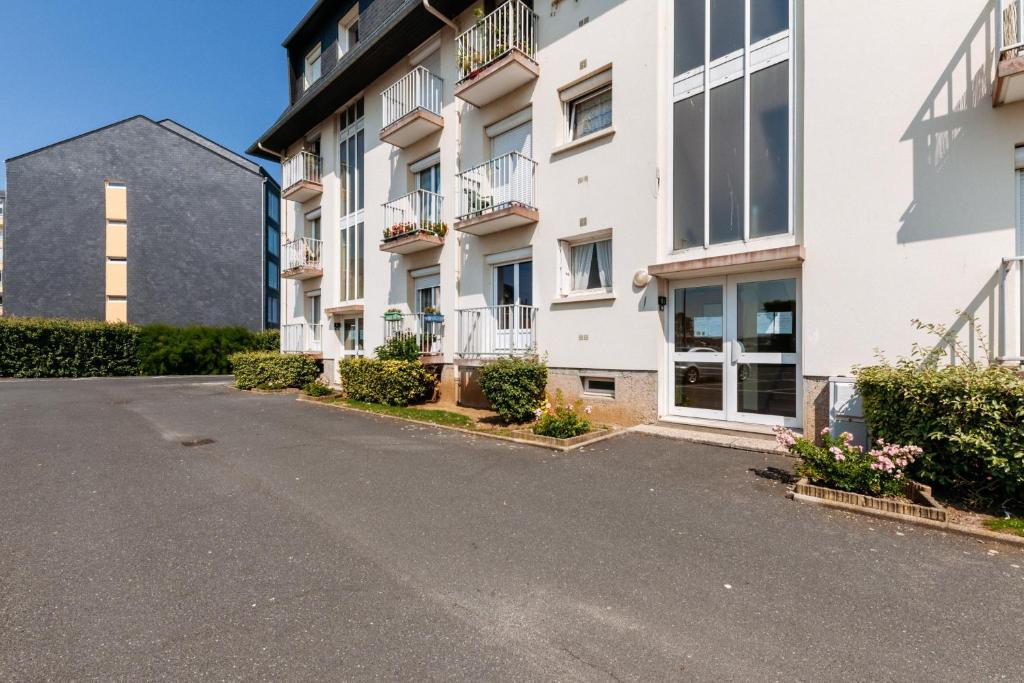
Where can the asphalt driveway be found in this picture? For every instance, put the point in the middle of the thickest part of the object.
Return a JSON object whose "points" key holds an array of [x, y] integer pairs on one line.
{"points": [[175, 529]]}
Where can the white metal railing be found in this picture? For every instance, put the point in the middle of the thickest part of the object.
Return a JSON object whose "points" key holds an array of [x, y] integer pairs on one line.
{"points": [[303, 252], [1008, 26], [301, 337], [499, 183], [429, 336], [1011, 311], [418, 89], [303, 166], [419, 210], [510, 27], [508, 330]]}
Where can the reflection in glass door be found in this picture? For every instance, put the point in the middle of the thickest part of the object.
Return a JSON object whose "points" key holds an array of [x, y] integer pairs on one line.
{"points": [[734, 350], [513, 293]]}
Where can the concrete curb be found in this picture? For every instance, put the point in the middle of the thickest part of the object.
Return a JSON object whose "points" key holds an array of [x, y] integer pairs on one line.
{"points": [[709, 439]]}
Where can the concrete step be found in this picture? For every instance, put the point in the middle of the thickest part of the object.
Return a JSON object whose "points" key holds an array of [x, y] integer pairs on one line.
{"points": [[726, 438]]}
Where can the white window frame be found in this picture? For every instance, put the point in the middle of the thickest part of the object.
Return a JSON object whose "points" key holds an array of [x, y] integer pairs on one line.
{"points": [[344, 26], [585, 380], [571, 106], [753, 57], [565, 279], [351, 221], [311, 63]]}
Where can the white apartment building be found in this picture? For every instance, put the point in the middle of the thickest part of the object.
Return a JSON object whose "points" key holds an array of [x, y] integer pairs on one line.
{"points": [[695, 210]]}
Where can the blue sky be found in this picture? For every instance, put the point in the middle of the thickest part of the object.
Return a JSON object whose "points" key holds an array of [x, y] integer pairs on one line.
{"points": [[216, 66]]}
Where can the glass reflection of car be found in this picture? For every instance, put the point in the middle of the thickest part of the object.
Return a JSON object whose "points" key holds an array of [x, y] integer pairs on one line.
{"points": [[710, 372]]}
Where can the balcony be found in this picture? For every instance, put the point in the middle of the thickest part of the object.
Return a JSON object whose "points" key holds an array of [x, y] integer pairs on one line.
{"points": [[300, 176], [412, 108], [302, 338], [300, 259], [508, 330], [414, 223], [1009, 85], [498, 54], [423, 327], [497, 195]]}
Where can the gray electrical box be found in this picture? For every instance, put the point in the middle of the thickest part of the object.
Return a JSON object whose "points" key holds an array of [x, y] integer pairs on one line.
{"points": [[845, 410]]}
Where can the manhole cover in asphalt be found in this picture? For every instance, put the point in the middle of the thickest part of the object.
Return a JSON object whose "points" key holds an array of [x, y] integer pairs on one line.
{"points": [[197, 442]]}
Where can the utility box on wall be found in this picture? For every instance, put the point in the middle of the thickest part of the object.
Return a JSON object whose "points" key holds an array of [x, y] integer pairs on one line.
{"points": [[845, 410]]}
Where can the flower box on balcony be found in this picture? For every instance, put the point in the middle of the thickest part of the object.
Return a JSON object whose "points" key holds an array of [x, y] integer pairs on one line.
{"points": [[406, 238], [392, 316], [433, 318]]}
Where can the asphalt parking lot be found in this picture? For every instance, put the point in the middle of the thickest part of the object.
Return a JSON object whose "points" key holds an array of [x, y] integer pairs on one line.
{"points": [[172, 528]]}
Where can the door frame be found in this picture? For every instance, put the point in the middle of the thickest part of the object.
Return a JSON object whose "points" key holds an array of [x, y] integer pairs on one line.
{"points": [[729, 412]]}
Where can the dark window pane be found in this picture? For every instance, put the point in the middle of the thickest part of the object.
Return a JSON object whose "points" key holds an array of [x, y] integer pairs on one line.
{"points": [[725, 171], [766, 316], [689, 35], [698, 318], [766, 389], [698, 385], [726, 27], [506, 285], [769, 151], [768, 17], [526, 283], [688, 173]]}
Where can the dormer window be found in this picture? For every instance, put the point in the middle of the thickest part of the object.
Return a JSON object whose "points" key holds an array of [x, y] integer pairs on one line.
{"points": [[348, 32], [312, 68]]}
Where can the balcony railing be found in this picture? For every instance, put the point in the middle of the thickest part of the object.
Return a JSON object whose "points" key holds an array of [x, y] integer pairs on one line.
{"points": [[418, 89], [303, 167], [1011, 313], [510, 27], [416, 211], [1008, 27], [508, 330], [303, 252], [497, 184], [302, 338], [429, 336]]}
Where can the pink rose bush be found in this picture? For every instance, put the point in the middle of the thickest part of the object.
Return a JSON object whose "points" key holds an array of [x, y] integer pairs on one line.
{"points": [[839, 464], [560, 419]]}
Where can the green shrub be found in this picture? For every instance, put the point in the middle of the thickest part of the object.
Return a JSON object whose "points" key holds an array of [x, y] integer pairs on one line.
{"points": [[391, 382], [403, 346], [317, 388], [267, 340], [514, 387], [838, 464], [36, 347], [968, 420], [273, 370], [562, 420], [197, 349]]}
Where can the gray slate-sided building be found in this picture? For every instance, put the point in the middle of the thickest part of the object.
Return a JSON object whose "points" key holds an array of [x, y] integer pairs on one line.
{"points": [[142, 221]]}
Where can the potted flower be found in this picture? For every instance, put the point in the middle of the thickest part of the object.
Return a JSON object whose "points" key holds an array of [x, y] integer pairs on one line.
{"points": [[392, 315], [431, 314]]}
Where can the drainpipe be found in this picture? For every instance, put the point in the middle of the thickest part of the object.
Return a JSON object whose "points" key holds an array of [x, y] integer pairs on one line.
{"points": [[446, 20]]}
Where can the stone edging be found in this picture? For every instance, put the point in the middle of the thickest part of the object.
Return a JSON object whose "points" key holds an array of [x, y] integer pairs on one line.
{"points": [[924, 506], [898, 517], [554, 442], [578, 442]]}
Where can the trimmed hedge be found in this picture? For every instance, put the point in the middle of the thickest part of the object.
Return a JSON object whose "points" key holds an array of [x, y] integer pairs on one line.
{"points": [[36, 347], [514, 387], [968, 420], [403, 346], [197, 350], [273, 370], [391, 382]]}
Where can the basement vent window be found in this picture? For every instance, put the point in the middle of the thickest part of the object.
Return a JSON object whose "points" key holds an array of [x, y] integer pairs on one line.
{"points": [[598, 386]]}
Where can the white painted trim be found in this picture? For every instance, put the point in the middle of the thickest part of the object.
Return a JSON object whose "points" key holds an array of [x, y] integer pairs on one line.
{"points": [[583, 296], [425, 163], [523, 254], [595, 80], [508, 123], [425, 272]]}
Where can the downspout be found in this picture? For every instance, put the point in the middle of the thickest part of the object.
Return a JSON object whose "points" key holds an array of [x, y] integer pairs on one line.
{"points": [[446, 20]]}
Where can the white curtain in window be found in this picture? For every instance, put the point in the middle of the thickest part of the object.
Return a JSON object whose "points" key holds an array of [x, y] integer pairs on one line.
{"points": [[604, 261], [581, 260]]}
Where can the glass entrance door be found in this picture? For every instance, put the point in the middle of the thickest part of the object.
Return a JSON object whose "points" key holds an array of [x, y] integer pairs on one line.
{"points": [[734, 349], [513, 293]]}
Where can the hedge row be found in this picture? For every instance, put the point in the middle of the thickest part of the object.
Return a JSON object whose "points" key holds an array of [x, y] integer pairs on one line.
{"points": [[391, 382], [273, 370], [968, 420], [35, 347]]}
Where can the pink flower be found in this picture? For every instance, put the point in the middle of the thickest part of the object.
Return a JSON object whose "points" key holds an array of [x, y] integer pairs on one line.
{"points": [[824, 431], [847, 437], [837, 453], [588, 410]]}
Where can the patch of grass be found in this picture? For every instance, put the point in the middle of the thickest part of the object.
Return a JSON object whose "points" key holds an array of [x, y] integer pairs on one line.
{"points": [[1006, 526], [439, 417]]}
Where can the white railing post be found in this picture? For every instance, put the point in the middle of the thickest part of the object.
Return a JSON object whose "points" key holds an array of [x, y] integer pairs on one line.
{"points": [[504, 181], [418, 89], [509, 27]]}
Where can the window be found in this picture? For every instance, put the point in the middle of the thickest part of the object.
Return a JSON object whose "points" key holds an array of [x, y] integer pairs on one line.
{"points": [[427, 292], [352, 202], [273, 241], [589, 266], [352, 336], [273, 310], [351, 270], [429, 179], [273, 275], [598, 386], [273, 206], [731, 121], [590, 113], [348, 32], [312, 69]]}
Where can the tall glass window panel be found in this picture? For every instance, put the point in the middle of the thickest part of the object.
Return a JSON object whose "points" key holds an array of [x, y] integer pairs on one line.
{"points": [[343, 239], [725, 172], [699, 321], [526, 283], [688, 173], [273, 240], [766, 316], [768, 17], [769, 151], [689, 35], [727, 24], [359, 171], [358, 263]]}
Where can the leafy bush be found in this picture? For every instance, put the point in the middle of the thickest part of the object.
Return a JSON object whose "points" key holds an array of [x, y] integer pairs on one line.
{"points": [[840, 465], [562, 420], [273, 370], [36, 347], [197, 349], [514, 387], [391, 382], [402, 346], [317, 388], [968, 419]]}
